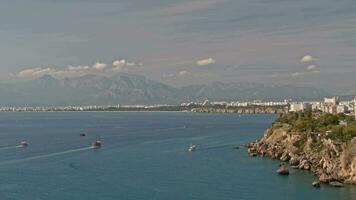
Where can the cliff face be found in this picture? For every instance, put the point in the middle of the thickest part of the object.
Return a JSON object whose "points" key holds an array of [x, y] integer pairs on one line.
{"points": [[330, 161]]}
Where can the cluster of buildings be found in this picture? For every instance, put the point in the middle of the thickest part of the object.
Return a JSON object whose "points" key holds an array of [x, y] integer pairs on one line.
{"points": [[48, 108], [75, 108], [330, 105], [238, 103]]}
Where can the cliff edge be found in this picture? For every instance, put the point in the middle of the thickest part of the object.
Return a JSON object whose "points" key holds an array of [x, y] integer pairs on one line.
{"points": [[322, 143]]}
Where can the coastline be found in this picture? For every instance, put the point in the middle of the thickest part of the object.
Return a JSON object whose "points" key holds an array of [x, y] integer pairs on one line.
{"points": [[332, 161], [196, 109]]}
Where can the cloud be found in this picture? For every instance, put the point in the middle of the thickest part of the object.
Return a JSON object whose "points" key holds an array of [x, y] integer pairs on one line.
{"points": [[296, 74], [35, 72], [99, 66], [121, 65], [77, 68], [184, 73], [123, 62], [207, 61], [80, 70], [307, 59], [316, 72], [311, 67]]}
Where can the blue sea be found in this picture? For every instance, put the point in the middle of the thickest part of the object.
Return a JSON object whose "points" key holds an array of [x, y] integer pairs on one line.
{"points": [[144, 156]]}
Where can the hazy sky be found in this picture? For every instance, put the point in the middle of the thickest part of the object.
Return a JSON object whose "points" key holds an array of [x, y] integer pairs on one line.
{"points": [[306, 42]]}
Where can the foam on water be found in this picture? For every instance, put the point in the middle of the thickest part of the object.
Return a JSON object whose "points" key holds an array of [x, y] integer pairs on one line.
{"points": [[43, 156], [10, 147]]}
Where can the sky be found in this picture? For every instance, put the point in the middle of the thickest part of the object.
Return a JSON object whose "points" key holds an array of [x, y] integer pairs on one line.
{"points": [[181, 42]]}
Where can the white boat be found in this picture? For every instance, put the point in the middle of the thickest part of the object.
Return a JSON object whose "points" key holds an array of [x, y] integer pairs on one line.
{"points": [[96, 144], [23, 144], [192, 148]]}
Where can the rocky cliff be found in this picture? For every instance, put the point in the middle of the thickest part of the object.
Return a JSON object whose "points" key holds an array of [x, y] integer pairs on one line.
{"points": [[332, 162]]}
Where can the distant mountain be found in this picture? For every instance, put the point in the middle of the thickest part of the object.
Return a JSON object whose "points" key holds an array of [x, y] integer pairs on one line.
{"points": [[231, 91], [125, 88]]}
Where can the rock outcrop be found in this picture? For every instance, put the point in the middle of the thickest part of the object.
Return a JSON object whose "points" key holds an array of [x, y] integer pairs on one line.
{"points": [[332, 162]]}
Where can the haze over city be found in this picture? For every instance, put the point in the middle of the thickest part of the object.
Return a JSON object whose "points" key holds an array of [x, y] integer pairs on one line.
{"points": [[306, 43]]}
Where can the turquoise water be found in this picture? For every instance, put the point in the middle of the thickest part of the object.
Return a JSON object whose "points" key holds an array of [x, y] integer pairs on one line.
{"points": [[144, 156]]}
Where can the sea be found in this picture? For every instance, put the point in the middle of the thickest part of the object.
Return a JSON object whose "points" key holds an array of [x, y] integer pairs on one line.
{"points": [[144, 156]]}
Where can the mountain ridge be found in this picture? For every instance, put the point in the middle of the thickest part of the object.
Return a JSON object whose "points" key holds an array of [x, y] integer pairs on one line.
{"points": [[124, 88]]}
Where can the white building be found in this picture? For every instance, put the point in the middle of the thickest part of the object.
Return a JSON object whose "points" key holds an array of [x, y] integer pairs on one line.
{"points": [[295, 107], [331, 101], [341, 109]]}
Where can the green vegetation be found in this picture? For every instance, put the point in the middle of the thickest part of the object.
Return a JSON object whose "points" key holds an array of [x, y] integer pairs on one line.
{"points": [[300, 143], [316, 146], [317, 123]]}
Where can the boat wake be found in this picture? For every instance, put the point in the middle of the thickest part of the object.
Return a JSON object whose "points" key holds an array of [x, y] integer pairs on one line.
{"points": [[207, 148], [10, 147], [43, 156]]}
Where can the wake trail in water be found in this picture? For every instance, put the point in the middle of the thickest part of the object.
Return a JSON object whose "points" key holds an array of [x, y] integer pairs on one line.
{"points": [[43, 156], [199, 148], [10, 147]]}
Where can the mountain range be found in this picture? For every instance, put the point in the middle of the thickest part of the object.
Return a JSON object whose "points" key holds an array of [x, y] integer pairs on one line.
{"points": [[123, 88]]}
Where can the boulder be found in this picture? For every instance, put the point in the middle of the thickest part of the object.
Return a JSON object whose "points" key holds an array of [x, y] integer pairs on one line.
{"points": [[283, 170], [336, 184], [324, 178], [285, 157], [294, 161], [253, 154], [316, 184]]}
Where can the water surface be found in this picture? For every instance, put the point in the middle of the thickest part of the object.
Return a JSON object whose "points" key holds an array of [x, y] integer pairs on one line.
{"points": [[144, 157]]}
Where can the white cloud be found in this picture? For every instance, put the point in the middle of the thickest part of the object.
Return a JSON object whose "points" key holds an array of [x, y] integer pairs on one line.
{"points": [[99, 66], [311, 67], [295, 74], [123, 63], [207, 61], [73, 71], [307, 59], [183, 73], [77, 68], [35, 72], [316, 71]]}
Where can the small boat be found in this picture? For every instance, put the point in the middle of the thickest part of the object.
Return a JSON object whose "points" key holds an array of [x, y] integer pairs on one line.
{"points": [[82, 134], [192, 148], [23, 144], [96, 144]]}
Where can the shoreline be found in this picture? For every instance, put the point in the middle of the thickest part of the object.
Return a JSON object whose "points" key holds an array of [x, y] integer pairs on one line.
{"points": [[133, 111], [331, 160]]}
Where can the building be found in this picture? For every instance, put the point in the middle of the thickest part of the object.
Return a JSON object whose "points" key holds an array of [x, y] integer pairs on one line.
{"points": [[355, 107], [295, 107], [341, 109], [330, 105], [333, 101]]}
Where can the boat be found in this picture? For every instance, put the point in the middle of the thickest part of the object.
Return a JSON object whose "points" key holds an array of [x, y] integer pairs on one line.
{"points": [[82, 134], [23, 144], [192, 148], [96, 144]]}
